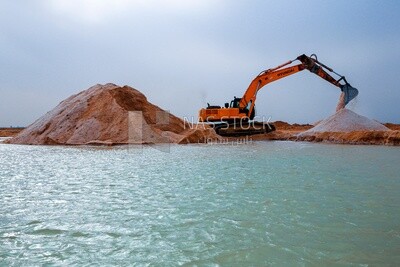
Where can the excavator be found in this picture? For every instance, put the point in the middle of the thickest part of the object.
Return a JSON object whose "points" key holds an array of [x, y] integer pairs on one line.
{"points": [[236, 117]]}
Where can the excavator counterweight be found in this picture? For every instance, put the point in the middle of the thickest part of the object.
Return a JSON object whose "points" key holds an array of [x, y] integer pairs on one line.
{"points": [[235, 118]]}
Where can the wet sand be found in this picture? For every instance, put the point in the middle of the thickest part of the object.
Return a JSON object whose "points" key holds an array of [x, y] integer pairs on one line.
{"points": [[10, 132]]}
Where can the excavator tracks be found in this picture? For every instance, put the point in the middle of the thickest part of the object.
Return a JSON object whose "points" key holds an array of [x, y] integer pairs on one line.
{"points": [[243, 128]]}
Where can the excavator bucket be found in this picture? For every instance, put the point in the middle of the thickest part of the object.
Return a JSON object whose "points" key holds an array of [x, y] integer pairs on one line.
{"points": [[349, 93]]}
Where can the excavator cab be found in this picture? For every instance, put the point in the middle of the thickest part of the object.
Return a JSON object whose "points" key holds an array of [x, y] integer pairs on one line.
{"points": [[235, 102]]}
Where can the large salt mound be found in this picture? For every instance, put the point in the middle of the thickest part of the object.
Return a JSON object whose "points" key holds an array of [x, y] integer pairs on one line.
{"points": [[346, 120], [102, 115]]}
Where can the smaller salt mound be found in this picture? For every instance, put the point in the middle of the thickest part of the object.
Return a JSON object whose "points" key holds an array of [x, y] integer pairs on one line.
{"points": [[346, 120]]}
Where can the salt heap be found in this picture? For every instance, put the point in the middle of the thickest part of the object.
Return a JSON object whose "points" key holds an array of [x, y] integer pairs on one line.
{"points": [[110, 114], [347, 127], [346, 120]]}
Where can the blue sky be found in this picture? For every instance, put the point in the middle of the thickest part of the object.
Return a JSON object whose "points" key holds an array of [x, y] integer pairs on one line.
{"points": [[183, 54]]}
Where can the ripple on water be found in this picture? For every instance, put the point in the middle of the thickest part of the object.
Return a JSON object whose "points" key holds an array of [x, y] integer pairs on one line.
{"points": [[47, 232]]}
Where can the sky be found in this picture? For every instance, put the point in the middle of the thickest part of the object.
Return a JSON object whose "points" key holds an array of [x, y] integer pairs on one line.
{"points": [[183, 54]]}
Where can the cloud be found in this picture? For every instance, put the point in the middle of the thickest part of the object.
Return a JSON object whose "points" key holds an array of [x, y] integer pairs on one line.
{"points": [[95, 11]]}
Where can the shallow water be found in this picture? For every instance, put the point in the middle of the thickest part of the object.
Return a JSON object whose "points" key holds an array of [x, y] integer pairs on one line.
{"points": [[259, 204]]}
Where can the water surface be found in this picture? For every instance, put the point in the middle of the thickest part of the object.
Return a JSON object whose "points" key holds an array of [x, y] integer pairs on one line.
{"points": [[259, 204]]}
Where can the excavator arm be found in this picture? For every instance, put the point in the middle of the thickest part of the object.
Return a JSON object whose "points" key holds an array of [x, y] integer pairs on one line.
{"points": [[247, 102]]}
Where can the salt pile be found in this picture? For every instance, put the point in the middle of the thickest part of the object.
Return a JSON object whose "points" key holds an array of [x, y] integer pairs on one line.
{"points": [[102, 115], [346, 120]]}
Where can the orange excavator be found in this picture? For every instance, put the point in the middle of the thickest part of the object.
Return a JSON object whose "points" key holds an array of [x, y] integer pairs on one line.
{"points": [[236, 117]]}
